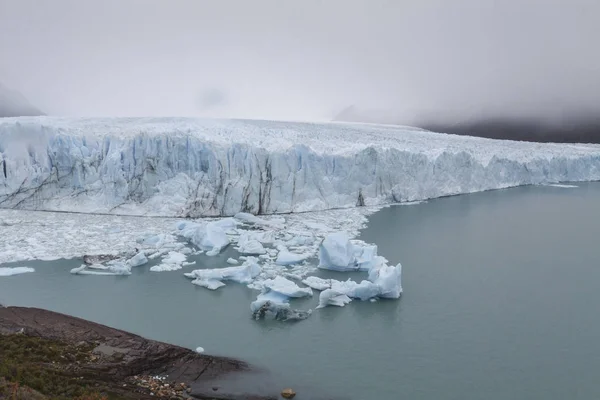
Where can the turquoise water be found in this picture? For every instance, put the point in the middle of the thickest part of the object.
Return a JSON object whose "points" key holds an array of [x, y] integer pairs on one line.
{"points": [[500, 302]]}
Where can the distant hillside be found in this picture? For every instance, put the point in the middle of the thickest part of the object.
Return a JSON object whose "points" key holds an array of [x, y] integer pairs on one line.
{"points": [[584, 131], [14, 104], [575, 130]]}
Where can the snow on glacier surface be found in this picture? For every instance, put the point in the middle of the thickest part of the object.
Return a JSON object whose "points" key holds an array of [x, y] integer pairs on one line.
{"points": [[195, 167]]}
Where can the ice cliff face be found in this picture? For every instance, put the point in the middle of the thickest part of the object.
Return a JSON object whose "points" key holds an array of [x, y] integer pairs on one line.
{"points": [[189, 167]]}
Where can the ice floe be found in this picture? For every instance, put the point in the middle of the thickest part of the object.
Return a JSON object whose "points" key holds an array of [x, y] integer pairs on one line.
{"points": [[172, 262], [213, 278], [7, 271]]}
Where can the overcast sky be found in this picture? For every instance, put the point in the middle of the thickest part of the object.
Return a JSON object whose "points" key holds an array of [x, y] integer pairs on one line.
{"points": [[303, 59]]}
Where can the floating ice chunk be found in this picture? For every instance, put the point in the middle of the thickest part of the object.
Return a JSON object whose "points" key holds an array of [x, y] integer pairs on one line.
{"points": [[286, 287], [232, 261], [6, 271], [78, 270], [137, 260], [557, 185], [251, 247], [365, 256], [273, 305], [199, 350], [174, 258], [318, 283], [286, 258], [388, 279], [330, 297], [244, 273], [172, 262], [363, 290], [271, 296], [119, 268], [110, 270], [97, 266], [337, 253], [165, 267], [212, 284], [210, 236]]}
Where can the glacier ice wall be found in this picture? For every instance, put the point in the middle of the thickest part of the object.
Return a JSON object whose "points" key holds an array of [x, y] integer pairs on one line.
{"points": [[190, 167]]}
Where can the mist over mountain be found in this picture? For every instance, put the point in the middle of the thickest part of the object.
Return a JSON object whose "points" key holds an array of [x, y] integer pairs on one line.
{"points": [[14, 104], [582, 127]]}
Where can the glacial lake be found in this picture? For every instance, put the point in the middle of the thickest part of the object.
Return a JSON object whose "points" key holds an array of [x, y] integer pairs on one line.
{"points": [[501, 301]]}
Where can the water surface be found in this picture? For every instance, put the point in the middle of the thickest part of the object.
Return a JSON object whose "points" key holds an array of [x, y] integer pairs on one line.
{"points": [[500, 302]]}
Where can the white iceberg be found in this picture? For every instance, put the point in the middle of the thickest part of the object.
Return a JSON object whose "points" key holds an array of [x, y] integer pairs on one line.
{"points": [[137, 260], [7, 271], [337, 253], [208, 236], [330, 297], [286, 287], [212, 284], [364, 290], [116, 268], [318, 283], [389, 280], [284, 257], [232, 261], [244, 273], [249, 246], [172, 262]]}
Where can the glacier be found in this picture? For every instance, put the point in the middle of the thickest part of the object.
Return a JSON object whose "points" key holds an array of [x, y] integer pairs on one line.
{"points": [[182, 167]]}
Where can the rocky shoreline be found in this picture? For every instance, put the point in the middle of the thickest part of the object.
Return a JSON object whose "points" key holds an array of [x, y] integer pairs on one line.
{"points": [[99, 362]]}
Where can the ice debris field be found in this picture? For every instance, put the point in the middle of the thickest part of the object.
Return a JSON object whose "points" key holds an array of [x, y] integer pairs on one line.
{"points": [[277, 256], [182, 167], [245, 173]]}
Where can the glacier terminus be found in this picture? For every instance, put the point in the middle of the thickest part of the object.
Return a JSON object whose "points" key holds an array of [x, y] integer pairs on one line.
{"points": [[181, 167]]}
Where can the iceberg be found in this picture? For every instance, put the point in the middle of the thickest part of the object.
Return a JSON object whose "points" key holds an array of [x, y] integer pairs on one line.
{"points": [[337, 253], [317, 283], [384, 281], [273, 305], [286, 287], [116, 268], [389, 280], [211, 278], [209, 236], [330, 297], [7, 271], [172, 262], [137, 260], [211, 284], [285, 257], [184, 167], [249, 246]]}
